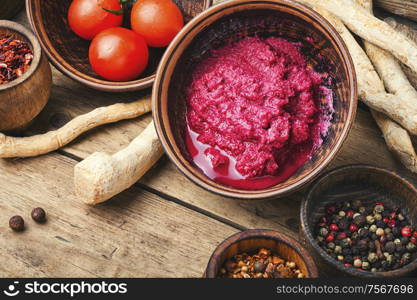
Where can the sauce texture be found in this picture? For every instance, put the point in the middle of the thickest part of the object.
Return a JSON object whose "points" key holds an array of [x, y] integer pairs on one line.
{"points": [[256, 112]]}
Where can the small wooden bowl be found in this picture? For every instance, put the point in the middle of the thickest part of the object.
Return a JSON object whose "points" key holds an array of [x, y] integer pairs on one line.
{"points": [[69, 53], [368, 184], [9, 8], [252, 240], [21, 100], [231, 21]]}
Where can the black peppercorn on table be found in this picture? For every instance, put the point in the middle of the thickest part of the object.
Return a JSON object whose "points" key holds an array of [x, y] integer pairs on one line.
{"points": [[156, 228]]}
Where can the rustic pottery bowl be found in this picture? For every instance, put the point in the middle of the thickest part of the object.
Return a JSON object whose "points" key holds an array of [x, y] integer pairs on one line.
{"points": [[69, 53], [231, 21], [251, 240], [368, 184], [9, 8], [21, 100]]}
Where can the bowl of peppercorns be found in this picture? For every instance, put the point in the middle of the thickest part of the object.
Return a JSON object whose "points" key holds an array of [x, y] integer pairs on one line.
{"points": [[25, 77], [260, 253], [360, 220]]}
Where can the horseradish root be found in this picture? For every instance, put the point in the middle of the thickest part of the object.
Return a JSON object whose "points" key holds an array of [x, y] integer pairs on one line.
{"points": [[396, 82], [389, 68], [370, 85], [398, 141], [53, 140], [410, 30], [371, 88], [101, 176], [370, 28]]}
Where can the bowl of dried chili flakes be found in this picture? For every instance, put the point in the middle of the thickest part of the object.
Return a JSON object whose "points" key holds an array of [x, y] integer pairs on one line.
{"points": [[25, 77]]}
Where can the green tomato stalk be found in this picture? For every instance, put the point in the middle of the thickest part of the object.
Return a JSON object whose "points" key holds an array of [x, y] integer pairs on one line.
{"points": [[126, 6]]}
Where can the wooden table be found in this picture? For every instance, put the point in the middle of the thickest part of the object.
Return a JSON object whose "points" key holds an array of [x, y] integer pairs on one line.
{"points": [[164, 226]]}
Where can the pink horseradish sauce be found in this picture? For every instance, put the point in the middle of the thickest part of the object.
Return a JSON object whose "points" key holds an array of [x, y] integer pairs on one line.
{"points": [[255, 113]]}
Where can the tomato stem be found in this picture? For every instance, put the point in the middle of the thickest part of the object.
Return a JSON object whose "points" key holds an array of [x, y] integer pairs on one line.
{"points": [[119, 12], [115, 12]]}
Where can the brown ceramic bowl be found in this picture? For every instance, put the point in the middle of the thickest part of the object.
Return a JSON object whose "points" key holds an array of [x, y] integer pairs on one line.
{"points": [[369, 184], [252, 240], [22, 99], [69, 53], [231, 21], [9, 8]]}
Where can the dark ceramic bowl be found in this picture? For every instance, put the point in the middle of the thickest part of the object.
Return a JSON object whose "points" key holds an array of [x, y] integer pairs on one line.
{"points": [[252, 240], [369, 184], [231, 21], [69, 53]]}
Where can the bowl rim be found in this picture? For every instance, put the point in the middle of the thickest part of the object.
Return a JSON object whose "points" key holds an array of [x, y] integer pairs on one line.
{"points": [[36, 50], [309, 235], [97, 83], [249, 234], [258, 194]]}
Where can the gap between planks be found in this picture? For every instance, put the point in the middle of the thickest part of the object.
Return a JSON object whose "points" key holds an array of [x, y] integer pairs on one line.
{"points": [[170, 198], [137, 234]]}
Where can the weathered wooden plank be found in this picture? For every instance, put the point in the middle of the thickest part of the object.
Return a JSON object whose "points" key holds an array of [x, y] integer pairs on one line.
{"points": [[365, 145], [138, 234]]}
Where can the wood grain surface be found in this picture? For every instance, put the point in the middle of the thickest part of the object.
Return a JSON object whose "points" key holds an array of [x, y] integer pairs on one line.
{"points": [[164, 213], [138, 234], [405, 8]]}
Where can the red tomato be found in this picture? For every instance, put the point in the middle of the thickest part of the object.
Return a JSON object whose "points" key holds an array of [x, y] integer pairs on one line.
{"points": [[158, 21], [87, 18], [118, 54]]}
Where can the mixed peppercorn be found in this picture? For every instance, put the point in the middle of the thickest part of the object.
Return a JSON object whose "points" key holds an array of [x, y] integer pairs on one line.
{"points": [[15, 58], [262, 264], [371, 238]]}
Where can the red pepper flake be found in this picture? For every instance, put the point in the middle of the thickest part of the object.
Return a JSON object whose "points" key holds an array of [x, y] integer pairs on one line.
{"points": [[15, 58], [262, 264]]}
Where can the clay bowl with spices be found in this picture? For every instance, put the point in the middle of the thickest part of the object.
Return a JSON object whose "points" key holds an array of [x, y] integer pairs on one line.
{"points": [[69, 53], [23, 98], [364, 186], [251, 242], [231, 22]]}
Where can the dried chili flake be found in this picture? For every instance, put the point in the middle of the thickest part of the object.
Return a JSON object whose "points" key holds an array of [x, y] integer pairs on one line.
{"points": [[261, 264], [15, 58]]}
